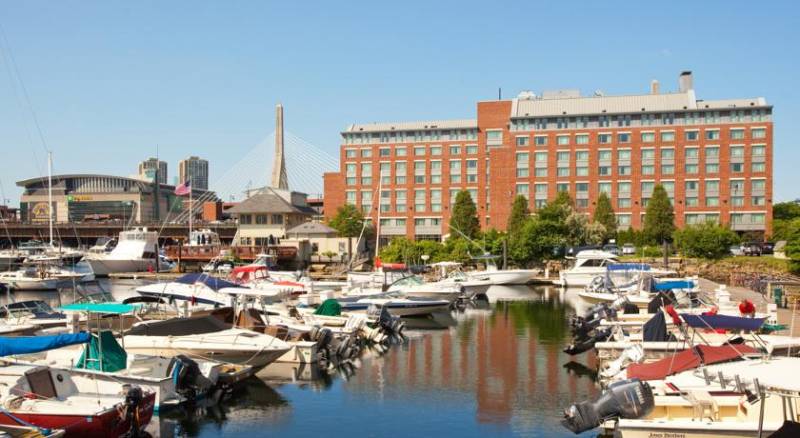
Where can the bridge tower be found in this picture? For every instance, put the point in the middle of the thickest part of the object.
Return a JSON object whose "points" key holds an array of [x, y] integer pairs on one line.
{"points": [[279, 178]]}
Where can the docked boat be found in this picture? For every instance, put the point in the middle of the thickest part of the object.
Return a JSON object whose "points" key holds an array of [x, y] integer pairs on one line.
{"points": [[204, 337], [259, 277], [53, 399], [395, 305], [194, 288], [590, 264], [450, 273], [11, 258], [502, 277], [414, 287], [135, 251], [43, 277]]}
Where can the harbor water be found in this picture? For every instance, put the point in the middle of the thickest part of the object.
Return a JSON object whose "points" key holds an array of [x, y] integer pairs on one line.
{"points": [[491, 368]]}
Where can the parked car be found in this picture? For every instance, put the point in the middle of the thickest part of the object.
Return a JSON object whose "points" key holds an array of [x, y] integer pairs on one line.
{"points": [[612, 248], [751, 249], [628, 249], [736, 250], [767, 248], [573, 250]]}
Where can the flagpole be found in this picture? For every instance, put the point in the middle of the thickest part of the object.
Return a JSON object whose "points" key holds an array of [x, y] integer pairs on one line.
{"points": [[191, 213]]}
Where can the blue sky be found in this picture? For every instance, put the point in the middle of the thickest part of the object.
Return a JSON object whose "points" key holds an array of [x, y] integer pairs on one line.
{"points": [[111, 80]]}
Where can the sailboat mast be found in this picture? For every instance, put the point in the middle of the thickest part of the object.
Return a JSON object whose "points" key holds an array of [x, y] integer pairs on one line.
{"points": [[50, 193], [378, 225], [191, 213]]}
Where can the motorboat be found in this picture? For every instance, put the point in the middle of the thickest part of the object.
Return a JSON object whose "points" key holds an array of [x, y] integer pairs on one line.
{"points": [[270, 261], [54, 399], [56, 255], [414, 287], [450, 273], [204, 337], [136, 251], [590, 264], [194, 288], [43, 277], [259, 277], [501, 277], [11, 258], [395, 305]]}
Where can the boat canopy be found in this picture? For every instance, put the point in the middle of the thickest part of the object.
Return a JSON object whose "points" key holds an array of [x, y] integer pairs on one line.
{"points": [[727, 322], [212, 282], [673, 284], [329, 307], [629, 267], [35, 344], [686, 360], [112, 308]]}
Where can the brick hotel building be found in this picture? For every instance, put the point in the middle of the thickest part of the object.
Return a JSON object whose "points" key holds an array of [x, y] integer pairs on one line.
{"points": [[714, 157]]}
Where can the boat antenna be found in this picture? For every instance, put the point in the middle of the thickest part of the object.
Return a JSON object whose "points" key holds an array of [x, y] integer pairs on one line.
{"points": [[50, 193], [482, 247], [3, 218]]}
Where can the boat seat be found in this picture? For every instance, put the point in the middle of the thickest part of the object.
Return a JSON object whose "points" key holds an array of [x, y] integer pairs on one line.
{"points": [[705, 406], [41, 382], [251, 320]]}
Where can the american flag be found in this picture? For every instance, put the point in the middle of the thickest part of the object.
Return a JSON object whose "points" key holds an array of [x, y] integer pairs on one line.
{"points": [[184, 189]]}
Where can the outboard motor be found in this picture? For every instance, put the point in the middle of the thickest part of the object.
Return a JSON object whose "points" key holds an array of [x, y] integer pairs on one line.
{"points": [[133, 399], [583, 344], [189, 381], [628, 399]]}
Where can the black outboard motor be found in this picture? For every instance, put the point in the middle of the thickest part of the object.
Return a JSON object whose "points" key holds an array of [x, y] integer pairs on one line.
{"points": [[628, 399], [585, 343], [133, 399], [189, 381]]}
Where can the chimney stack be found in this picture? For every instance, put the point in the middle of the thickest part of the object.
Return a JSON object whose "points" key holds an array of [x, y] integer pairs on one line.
{"points": [[654, 86], [685, 82]]}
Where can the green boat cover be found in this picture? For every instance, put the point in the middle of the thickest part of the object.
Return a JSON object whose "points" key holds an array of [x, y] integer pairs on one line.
{"points": [[114, 357], [329, 307], [115, 308]]}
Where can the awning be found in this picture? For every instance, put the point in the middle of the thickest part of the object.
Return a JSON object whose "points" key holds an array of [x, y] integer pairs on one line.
{"points": [[35, 344], [673, 284], [726, 322], [113, 308]]}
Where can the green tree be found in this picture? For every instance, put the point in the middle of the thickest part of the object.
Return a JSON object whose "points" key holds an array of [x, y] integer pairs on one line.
{"points": [[519, 215], [659, 218], [604, 215], [537, 241], [464, 217], [709, 240], [558, 209], [786, 211], [348, 222], [792, 248]]}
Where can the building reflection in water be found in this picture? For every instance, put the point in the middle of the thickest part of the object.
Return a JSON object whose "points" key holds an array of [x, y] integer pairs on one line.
{"points": [[505, 359]]}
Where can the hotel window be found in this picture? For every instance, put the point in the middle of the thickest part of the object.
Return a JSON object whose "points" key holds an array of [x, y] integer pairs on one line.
{"points": [[668, 136], [758, 150], [667, 154], [472, 149], [690, 169], [540, 171], [436, 200], [385, 201], [455, 150], [691, 201], [604, 121], [758, 167], [522, 189], [692, 152], [581, 171], [366, 201], [667, 169], [350, 153], [647, 188], [261, 219], [366, 153], [648, 137], [604, 138], [624, 154], [562, 139], [562, 187], [540, 190], [453, 195], [604, 170], [523, 141], [603, 155], [384, 152], [540, 157], [582, 139], [758, 133], [386, 173], [623, 121], [436, 172], [400, 151], [737, 201], [623, 220], [472, 171], [473, 193], [350, 197], [623, 202], [419, 150], [737, 134], [366, 174], [692, 135], [604, 187], [712, 186], [455, 171], [523, 165], [436, 150], [648, 169], [712, 201], [737, 167], [758, 201], [582, 155], [540, 140], [623, 187], [712, 134], [623, 170], [494, 137], [624, 138], [419, 172], [350, 169], [562, 171], [648, 154], [419, 200], [562, 156], [737, 151], [400, 201]]}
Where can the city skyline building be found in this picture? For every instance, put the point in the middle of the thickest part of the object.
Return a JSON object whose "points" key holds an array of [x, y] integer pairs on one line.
{"points": [[195, 169], [714, 158], [148, 167]]}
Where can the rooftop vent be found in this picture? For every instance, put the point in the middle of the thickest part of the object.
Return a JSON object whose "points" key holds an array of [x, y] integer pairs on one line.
{"points": [[685, 81]]}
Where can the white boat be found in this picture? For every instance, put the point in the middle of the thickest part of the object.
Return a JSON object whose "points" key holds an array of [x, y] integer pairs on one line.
{"points": [[396, 306], [204, 337], [502, 277], [590, 264], [269, 261], [414, 287], [10, 258], [451, 273], [43, 277], [136, 251], [202, 289]]}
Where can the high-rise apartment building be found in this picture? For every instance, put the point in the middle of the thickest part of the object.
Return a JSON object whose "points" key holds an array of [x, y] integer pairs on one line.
{"points": [[148, 168], [714, 158], [195, 169]]}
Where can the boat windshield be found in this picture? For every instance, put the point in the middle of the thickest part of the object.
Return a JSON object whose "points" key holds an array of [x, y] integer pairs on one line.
{"points": [[408, 281]]}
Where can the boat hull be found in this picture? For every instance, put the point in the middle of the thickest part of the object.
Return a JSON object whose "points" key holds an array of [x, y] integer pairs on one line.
{"points": [[256, 358], [104, 424], [691, 429], [104, 266]]}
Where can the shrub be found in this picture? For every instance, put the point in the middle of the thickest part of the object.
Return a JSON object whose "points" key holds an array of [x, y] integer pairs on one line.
{"points": [[709, 241]]}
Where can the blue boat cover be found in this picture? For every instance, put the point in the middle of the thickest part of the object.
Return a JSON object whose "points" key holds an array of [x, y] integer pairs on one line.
{"points": [[115, 308], [629, 267], [728, 322], [35, 344], [673, 284], [212, 282]]}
